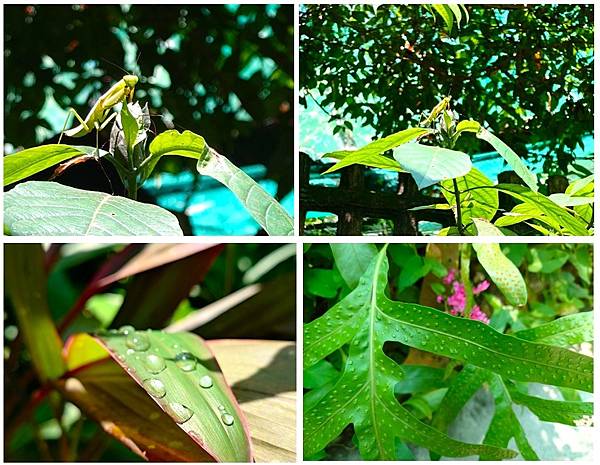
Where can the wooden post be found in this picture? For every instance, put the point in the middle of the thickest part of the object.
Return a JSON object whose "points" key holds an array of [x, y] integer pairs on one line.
{"points": [[350, 220], [405, 223]]}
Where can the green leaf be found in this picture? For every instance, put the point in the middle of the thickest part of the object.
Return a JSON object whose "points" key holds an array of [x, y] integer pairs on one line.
{"points": [[446, 14], [180, 374], [363, 396], [476, 203], [505, 424], [456, 11], [565, 331], [352, 260], [26, 286], [28, 162], [500, 269], [555, 411], [551, 213], [434, 331], [429, 165], [37, 208], [462, 387], [466, 126], [513, 160], [264, 209], [370, 154]]}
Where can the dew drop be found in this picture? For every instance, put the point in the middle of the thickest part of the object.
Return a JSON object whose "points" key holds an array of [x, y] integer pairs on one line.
{"points": [[206, 382], [227, 419], [222, 408], [137, 341], [185, 361], [130, 352], [155, 387], [178, 412], [126, 330], [154, 363]]}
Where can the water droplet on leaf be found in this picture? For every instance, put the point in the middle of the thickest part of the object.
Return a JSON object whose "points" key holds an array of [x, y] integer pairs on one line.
{"points": [[138, 341], [155, 388], [206, 382], [185, 361], [227, 419], [154, 363], [178, 412]]}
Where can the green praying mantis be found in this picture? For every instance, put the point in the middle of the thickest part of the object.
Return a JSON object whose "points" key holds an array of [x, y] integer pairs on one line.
{"points": [[98, 117]]}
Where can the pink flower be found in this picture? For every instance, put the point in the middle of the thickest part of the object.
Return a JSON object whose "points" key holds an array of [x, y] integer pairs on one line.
{"points": [[482, 286], [477, 314], [449, 277], [458, 299], [439, 299]]}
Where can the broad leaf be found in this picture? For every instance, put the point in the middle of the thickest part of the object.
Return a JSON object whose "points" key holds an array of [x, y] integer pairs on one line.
{"points": [[500, 269], [37, 208], [565, 331], [446, 13], [176, 375], [28, 162], [430, 165], [264, 209], [352, 260], [513, 160], [26, 286], [370, 154], [363, 396]]}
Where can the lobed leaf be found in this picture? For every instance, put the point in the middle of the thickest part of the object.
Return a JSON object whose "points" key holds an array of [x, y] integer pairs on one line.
{"points": [[557, 411], [38, 208], [352, 260], [505, 425], [565, 331]]}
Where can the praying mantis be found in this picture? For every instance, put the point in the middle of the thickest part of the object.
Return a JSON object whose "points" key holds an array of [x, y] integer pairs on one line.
{"points": [[97, 117]]}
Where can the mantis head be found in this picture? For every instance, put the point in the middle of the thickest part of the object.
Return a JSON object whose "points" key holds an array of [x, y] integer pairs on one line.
{"points": [[130, 80]]}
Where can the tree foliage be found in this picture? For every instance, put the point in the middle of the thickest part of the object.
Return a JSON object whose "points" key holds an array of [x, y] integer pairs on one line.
{"points": [[524, 71]]}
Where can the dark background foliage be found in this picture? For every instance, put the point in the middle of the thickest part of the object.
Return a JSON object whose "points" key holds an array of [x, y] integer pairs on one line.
{"points": [[220, 48], [525, 71]]}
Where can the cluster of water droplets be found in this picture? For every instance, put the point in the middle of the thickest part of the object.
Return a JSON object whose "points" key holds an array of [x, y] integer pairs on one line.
{"points": [[138, 345]]}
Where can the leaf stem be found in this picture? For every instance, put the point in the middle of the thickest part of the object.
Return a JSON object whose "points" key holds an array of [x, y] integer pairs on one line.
{"points": [[458, 208]]}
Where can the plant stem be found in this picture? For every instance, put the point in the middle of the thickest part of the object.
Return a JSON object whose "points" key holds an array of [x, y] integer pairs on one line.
{"points": [[132, 187], [458, 209]]}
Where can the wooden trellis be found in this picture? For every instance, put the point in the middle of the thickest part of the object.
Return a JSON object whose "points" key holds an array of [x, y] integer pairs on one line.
{"points": [[351, 202]]}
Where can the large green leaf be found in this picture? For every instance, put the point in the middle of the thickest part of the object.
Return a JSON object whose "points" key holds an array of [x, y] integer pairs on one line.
{"points": [[513, 160], [37, 208], [26, 286], [264, 209], [370, 154], [352, 260], [475, 203], [430, 165], [28, 162], [181, 377], [501, 270], [366, 319], [565, 331]]}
